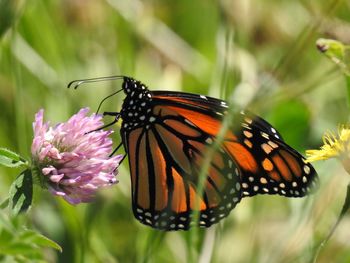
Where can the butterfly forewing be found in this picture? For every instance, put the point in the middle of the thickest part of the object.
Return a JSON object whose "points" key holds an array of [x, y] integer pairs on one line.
{"points": [[166, 161], [267, 164]]}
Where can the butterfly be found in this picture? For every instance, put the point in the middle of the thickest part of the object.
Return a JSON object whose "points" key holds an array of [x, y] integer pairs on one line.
{"points": [[166, 136]]}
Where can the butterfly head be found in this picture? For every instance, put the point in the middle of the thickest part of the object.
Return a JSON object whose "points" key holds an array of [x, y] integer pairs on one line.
{"points": [[131, 85], [136, 109]]}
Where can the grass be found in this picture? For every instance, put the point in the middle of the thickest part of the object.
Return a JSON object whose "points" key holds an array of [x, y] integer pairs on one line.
{"points": [[259, 54]]}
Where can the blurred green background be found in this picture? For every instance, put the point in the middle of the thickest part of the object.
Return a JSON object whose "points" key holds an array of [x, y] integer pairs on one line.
{"points": [[259, 53]]}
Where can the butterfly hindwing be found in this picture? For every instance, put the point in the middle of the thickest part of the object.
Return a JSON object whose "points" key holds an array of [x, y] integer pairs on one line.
{"points": [[281, 169]]}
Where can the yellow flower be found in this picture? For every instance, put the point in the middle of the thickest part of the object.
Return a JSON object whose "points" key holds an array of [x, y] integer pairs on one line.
{"points": [[334, 146]]}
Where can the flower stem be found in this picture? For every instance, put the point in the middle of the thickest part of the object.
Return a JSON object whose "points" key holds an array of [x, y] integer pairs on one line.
{"points": [[345, 208]]}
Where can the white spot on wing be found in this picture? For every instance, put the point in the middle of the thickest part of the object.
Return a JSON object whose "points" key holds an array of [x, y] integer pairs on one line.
{"points": [[224, 104], [238, 186], [209, 140], [306, 169], [265, 135]]}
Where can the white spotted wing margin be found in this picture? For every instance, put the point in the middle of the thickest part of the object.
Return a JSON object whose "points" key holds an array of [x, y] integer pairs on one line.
{"points": [[281, 169]]}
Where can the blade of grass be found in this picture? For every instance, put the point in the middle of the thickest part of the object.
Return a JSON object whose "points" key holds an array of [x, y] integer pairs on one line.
{"points": [[347, 79], [206, 252], [30, 59], [20, 120], [292, 58], [202, 177], [163, 38], [154, 240]]}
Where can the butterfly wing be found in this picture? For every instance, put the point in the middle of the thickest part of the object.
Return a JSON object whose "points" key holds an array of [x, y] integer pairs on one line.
{"points": [[166, 155], [267, 165], [165, 159], [280, 169]]}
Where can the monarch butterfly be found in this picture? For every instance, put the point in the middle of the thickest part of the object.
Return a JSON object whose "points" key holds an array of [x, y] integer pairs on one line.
{"points": [[166, 136]]}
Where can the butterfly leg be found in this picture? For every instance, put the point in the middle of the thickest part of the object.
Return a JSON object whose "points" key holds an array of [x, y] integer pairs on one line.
{"points": [[117, 116], [116, 149], [116, 169], [111, 113]]}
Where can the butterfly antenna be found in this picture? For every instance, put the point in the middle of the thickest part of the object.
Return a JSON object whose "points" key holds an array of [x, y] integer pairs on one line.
{"points": [[76, 83], [111, 95]]}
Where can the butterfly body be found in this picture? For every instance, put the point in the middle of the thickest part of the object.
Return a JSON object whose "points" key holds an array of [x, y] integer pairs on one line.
{"points": [[136, 108], [167, 136]]}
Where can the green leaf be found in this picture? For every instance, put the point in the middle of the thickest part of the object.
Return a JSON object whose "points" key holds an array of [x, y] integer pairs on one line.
{"points": [[5, 223], [21, 248], [5, 237], [11, 159], [21, 193], [39, 240], [4, 203], [19, 241]]}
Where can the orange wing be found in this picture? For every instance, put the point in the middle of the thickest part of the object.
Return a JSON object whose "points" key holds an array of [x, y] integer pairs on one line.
{"points": [[279, 169], [165, 161], [167, 153], [266, 163]]}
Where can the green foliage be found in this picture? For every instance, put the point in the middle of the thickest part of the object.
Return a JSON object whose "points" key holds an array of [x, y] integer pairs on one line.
{"points": [[11, 159], [21, 193], [259, 54], [18, 243]]}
